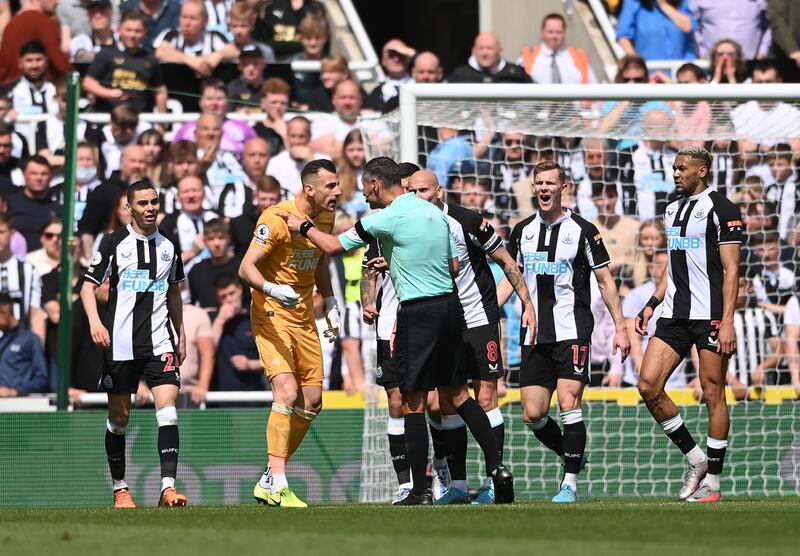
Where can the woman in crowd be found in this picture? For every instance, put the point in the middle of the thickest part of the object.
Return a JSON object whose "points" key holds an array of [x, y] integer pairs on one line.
{"points": [[651, 239], [350, 167], [155, 153], [727, 63]]}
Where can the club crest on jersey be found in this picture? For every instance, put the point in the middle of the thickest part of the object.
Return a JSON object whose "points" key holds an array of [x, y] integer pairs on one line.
{"points": [[568, 239], [700, 214], [108, 382], [165, 256]]}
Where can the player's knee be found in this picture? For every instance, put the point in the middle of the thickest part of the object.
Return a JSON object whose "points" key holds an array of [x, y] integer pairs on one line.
{"points": [[167, 416], [116, 427], [648, 389], [487, 397], [119, 417], [533, 411], [713, 392], [396, 406], [433, 402], [569, 404]]}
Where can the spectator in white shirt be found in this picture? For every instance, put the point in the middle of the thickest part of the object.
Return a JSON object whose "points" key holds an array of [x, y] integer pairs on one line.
{"points": [[552, 61], [286, 166]]}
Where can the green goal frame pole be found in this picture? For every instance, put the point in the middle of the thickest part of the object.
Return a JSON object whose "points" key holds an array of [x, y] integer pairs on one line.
{"points": [[67, 262]]}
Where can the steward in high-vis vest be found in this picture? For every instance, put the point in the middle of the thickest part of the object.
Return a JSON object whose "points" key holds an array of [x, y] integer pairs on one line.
{"points": [[551, 61]]}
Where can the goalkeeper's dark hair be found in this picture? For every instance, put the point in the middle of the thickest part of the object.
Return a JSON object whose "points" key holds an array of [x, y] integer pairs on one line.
{"points": [[140, 185], [384, 169], [697, 153], [313, 168]]}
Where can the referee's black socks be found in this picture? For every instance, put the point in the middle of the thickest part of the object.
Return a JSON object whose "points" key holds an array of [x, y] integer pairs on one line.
{"points": [[481, 429], [416, 433], [455, 435]]}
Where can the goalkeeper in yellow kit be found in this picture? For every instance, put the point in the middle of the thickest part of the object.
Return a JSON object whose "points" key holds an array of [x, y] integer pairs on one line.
{"points": [[282, 269]]}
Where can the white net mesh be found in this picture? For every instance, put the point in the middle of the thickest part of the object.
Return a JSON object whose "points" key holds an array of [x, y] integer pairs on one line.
{"points": [[618, 156]]}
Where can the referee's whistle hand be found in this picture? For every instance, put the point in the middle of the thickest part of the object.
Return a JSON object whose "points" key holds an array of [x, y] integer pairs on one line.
{"points": [[378, 264]]}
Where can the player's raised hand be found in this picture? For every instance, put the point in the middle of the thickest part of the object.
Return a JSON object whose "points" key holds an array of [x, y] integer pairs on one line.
{"points": [[333, 319], [621, 342], [370, 314], [100, 335], [726, 339], [283, 294]]}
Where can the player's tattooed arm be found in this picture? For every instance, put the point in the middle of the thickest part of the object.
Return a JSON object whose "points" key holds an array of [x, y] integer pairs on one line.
{"points": [[512, 273], [369, 281]]}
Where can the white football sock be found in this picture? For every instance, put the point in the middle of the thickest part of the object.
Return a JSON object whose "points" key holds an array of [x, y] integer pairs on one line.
{"points": [[571, 480], [696, 455]]}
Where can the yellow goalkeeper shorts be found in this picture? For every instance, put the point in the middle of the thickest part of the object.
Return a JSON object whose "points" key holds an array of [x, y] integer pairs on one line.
{"points": [[290, 349]]}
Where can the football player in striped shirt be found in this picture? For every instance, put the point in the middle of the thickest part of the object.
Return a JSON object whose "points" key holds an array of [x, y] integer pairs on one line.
{"points": [[557, 250], [699, 292], [145, 270]]}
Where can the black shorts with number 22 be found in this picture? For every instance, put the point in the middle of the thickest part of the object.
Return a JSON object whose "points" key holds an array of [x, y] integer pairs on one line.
{"points": [[122, 377]]}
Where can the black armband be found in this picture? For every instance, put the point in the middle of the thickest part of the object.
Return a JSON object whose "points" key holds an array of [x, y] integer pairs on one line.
{"points": [[305, 226]]}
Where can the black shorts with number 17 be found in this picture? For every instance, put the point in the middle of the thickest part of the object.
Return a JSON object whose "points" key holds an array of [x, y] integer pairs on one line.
{"points": [[122, 377], [545, 364]]}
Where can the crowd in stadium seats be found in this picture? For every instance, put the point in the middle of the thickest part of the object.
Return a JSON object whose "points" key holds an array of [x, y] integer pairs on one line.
{"points": [[217, 173]]}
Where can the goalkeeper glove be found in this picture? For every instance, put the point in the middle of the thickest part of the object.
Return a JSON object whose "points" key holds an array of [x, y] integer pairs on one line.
{"points": [[284, 295], [333, 319]]}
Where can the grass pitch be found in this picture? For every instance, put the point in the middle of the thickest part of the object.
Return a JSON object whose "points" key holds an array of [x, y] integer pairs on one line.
{"points": [[650, 527]]}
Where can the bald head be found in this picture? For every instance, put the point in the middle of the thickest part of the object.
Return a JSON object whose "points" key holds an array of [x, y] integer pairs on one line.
{"points": [[255, 157], [132, 164], [208, 130], [424, 185], [427, 68], [487, 50]]}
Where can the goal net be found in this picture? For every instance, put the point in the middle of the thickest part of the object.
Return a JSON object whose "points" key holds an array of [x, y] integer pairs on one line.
{"points": [[617, 146]]}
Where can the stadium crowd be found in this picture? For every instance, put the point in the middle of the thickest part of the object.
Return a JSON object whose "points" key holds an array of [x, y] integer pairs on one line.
{"points": [[215, 175]]}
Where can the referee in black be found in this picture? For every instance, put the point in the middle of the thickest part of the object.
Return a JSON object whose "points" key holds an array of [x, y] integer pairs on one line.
{"points": [[422, 261]]}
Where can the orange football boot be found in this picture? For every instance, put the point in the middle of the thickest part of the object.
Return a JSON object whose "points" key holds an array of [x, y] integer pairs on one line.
{"points": [[123, 500], [171, 498]]}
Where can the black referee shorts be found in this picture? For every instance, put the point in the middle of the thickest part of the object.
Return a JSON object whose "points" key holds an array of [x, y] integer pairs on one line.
{"points": [[122, 377], [682, 334], [428, 344], [386, 373]]}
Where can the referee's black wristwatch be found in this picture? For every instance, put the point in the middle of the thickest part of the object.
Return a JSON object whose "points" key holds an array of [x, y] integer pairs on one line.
{"points": [[305, 226]]}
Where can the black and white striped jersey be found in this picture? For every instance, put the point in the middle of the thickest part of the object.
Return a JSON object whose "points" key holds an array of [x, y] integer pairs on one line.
{"points": [[646, 178], [696, 226], [23, 284], [474, 238], [556, 260], [208, 43], [218, 15], [386, 298], [28, 98], [141, 270]]}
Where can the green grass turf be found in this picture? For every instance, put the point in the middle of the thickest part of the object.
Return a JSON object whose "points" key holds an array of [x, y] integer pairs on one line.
{"points": [[643, 527]]}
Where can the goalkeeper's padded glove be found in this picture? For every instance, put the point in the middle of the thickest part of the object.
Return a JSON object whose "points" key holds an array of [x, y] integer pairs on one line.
{"points": [[284, 295], [333, 319]]}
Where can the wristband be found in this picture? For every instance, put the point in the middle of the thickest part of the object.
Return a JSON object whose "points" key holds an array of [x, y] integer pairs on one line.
{"points": [[653, 303], [305, 226]]}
